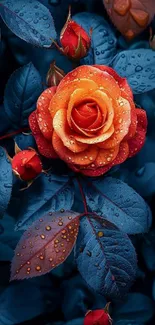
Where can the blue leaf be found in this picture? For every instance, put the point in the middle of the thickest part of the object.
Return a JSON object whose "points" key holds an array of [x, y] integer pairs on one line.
{"points": [[17, 304], [148, 250], [105, 257], [117, 202], [136, 307], [24, 141], [48, 193], [5, 181], [138, 66], [5, 123], [8, 238], [29, 20], [104, 42], [143, 179], [21, 93]]}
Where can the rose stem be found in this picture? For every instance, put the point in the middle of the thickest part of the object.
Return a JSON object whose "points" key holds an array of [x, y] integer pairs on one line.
{"points": [[83, 196], [9, 135]]}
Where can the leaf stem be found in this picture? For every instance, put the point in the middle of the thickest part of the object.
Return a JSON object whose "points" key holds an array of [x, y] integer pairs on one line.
{"points": [[9, 135], [83, 196]]}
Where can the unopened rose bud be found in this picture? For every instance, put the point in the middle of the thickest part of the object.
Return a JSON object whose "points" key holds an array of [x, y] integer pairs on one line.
{"points": [[74, 40], [26, 164], [54, 75], [152, 39], [99, 317]]}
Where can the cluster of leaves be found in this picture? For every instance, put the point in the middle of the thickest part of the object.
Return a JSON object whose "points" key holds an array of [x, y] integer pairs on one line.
{"points": [[48, 218]]}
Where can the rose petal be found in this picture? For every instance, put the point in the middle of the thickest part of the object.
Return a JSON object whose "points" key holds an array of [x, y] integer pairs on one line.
{"points": [[82, 121], [96, 139], [43, 115], [77, 97], [104, 156], [121, 157], [100, 119], [137, 142], [63, 130], [133, 125], [44, 146], [101, 78], [106, 131], [82, 158], [122, 121], [61, 98], [121, 81]]}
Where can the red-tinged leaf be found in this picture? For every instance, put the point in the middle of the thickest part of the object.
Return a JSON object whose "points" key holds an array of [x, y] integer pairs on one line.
{"points": [[45, 245]]}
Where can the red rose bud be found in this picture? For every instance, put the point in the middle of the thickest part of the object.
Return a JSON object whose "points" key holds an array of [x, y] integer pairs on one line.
{"points": [[26, 164], [74, 40], [98, 317], [54, 75]]}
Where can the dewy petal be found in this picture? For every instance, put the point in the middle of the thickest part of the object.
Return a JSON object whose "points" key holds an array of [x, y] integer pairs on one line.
{"points": [[105, 157], [133, 125], [137, 142], [61, 99], [106, 131], [101, 78], [121, 157], [102, 101], [123, 84], [82, 158], [63, 130], [96, 139], [44, 146], [121, 122], [43, 115], [100, 119]]}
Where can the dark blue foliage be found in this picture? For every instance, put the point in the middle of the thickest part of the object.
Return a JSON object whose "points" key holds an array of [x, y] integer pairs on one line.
{"points": [[105, 257], [148, 250], [29, 20], [14, 310], [136, 308], [21, 93], [117, 202], [24, 141], [84, 298], [103, 39], [8, 238], [62, 297], [48, 193], [5, 181], [138, 67]]}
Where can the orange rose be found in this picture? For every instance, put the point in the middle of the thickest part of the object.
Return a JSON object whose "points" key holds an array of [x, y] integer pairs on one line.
{"points": [[89, 121]]}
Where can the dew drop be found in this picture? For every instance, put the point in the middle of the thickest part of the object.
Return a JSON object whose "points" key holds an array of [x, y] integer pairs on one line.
{"points": [[41, 257], [138, 68], [60, 223], [140, 171], [89, 253], [38, 268], [42, 236], [100, 234], [48, 228]]}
